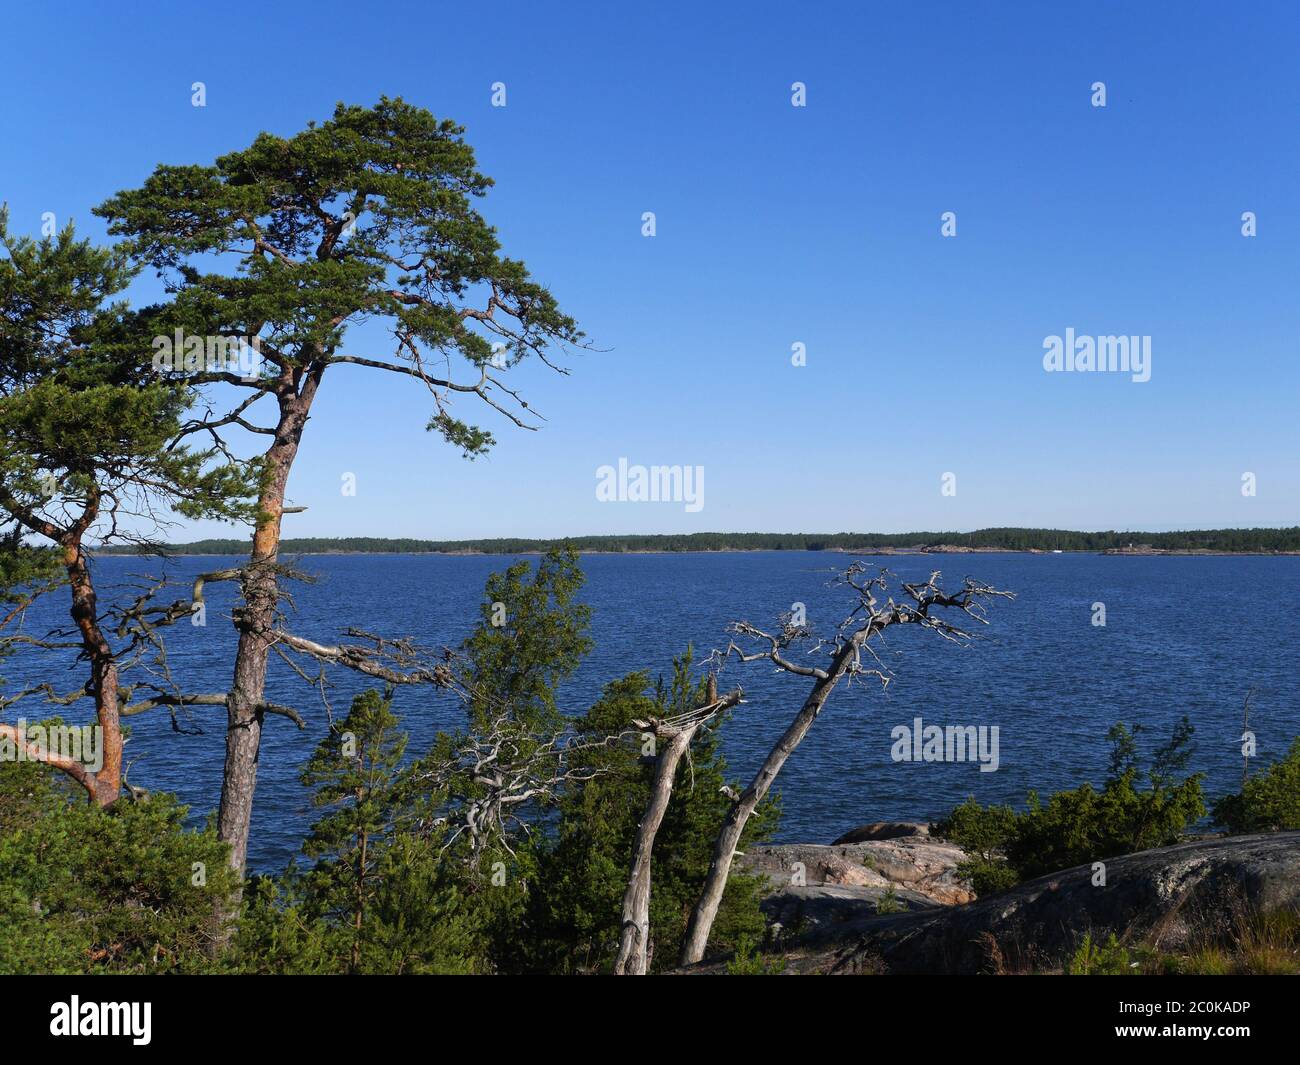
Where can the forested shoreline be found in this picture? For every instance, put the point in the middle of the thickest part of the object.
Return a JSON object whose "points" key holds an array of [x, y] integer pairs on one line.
{"points": [[1227, 541]]}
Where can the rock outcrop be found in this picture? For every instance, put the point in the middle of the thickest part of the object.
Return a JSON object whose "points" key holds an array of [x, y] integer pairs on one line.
{"points": [[1168, 898], [921, 868], [882, 830]]}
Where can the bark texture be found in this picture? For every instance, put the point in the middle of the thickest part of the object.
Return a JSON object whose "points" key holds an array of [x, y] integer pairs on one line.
{"points": [[633, 957], [102, 785], [634, 943], [256, 622], [733, 826]]}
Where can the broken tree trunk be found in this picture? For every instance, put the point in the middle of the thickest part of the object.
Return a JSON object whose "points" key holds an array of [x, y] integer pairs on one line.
{"points": [[633, 949]]}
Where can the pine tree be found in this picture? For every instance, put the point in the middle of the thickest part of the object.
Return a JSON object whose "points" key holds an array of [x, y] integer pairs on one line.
{"points": [[531, 636], [355, 773], [367, 216], [87, 444], [379, 897]]}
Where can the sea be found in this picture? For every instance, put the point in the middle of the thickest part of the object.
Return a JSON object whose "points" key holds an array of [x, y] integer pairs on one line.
{"points": [[1181, 636]]}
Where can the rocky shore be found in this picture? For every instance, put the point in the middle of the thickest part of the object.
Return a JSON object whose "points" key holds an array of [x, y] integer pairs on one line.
{"points": [[886, 897]]}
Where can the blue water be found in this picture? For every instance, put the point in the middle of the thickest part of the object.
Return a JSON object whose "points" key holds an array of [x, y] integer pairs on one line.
{"points": [[1183, 635]]}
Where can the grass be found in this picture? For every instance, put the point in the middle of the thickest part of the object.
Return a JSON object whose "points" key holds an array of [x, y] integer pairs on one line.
{"points": [[888, 902], [1252, 944]]}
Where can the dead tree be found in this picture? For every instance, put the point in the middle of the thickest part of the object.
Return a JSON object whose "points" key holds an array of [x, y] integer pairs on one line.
{"points": [[488, 777], [676, 733], [852, 638]]}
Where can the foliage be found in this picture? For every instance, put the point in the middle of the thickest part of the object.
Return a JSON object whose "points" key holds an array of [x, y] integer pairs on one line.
{"points": [[888, 902], [379, 898], [531, 636], [983, 832], [575, 907], [367, 215], [1251, 943], [1268, 801], [1230, 540], [127, 889], [1110, 958], [1084, 824], [25, 571], [88, 440], [84, 418], [748, 961]]}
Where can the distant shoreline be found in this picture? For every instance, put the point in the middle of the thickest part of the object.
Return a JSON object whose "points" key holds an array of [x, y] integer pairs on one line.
{"points": [[866, 552], [1257, 541]]}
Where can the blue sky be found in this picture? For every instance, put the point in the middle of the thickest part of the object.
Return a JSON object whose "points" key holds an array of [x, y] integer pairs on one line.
{"points": [[777, 225]]}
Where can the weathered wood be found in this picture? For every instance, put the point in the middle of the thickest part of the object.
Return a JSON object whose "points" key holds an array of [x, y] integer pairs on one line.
{"points": [[733, 826], [633, 957], [868, 618]]}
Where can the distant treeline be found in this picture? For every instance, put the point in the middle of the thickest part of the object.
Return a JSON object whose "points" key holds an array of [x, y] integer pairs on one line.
{"points": [[1245, 540]]}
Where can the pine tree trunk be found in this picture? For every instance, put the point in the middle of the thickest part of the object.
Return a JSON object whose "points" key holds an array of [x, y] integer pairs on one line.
{"points": [[105, 784], [256, 621], [633, 949], [733, 826]]}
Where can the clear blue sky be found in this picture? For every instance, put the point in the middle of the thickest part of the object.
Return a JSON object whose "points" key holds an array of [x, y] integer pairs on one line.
{"points": [[777, 225]]}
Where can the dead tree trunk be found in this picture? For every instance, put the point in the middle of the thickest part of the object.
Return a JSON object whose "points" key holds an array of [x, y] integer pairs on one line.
{"points": [[866, 621], [733, 826], [632, 957], [634, 943]]}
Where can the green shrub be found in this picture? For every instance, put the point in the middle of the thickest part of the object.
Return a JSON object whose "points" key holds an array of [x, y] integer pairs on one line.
{"points": [[1267, 802], [378, 899], [127, 889], [1084, 824], [1102, 959], [747, 961]]}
